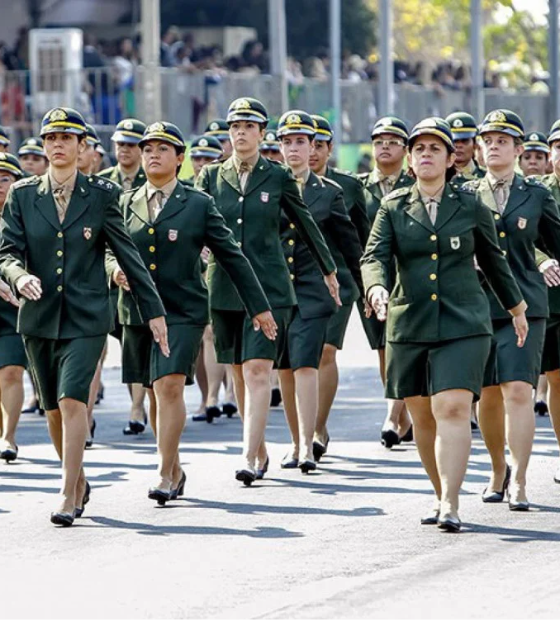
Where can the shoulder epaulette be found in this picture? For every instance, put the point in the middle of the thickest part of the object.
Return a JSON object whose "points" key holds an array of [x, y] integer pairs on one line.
{"points": [[535, 181], [106, 172], [466, 188], [398, 193], [33, 180], [102, 183], [332, 182], [472, 184]]}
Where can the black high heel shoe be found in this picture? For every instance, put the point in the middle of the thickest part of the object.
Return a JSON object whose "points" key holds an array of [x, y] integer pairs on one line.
{"points": [[64, 519], [408, 436], [135, 427], [541, 408], [212, 412], [307, 466], [389, 439], [246, 476], [431, 519], [447, 523], [160, 495], [9, 454], [78, 512], [229, 409], [495, 497], [319, 449], [289, 462], [262, 470], [275, 397], [180, 490]]}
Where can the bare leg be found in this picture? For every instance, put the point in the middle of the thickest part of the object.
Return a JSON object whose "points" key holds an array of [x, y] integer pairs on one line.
{"points": [[171, 415], [230, 395], [153, 411], [491, 419], [424, 422], [288, 387], [328, 386], [452, 411], [138, 395], [215, 371], [307, 387], [520, 431], [256, 374], [554, 401], [11, 397], [542, 389], [202, 379]]}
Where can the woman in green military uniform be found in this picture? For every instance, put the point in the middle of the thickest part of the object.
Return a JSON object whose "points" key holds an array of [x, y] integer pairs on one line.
{"points": [[32, 156], [438, 319], [12, 354], [308, 328], [549, 267], [465, 132], [354, 201], [170, 224], [524, 214], [55, 230], [389, 139], [251, 193]]}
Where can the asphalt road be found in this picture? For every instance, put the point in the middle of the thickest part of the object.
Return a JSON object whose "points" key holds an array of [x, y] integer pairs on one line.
{"points": [[345, 542]]}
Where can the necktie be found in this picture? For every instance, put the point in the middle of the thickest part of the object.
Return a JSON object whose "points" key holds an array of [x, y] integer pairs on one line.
{"points": [[60, 202], [386, 184], [155, 204], [244, 172], [500, 195], [127, 183], [432, 208]]}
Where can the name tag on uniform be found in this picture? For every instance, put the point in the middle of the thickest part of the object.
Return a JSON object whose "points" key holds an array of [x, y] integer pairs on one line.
{"points": [[172, 234], [87, 233], [521, 223], [264, 196], [455, 243]]}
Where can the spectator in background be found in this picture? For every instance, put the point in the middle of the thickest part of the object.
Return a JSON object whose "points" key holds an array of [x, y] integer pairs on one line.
{"points": [[125, 62], [172, 35]]}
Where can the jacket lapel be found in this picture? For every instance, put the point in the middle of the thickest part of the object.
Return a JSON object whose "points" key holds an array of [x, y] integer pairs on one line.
{"points": [[448, 206], [260, 174], [517, 196], [311, 191], [229, 174], [78, 203], [174, 204], [416, 209], [44, 202], [139, 205]]}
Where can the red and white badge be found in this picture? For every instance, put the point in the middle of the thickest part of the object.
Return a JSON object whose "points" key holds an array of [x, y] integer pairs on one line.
{"points": [[265, 196], [87, 233], [521, 223], [172, 234]]}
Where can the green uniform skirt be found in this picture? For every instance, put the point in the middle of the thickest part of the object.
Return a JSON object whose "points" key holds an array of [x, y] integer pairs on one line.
{"points": [[375, 330], [338, 324], [424, 369], [143, 362], [508, 362], [551, 351], [12, 351], [236, 340], [305, 341], [63, 368]]}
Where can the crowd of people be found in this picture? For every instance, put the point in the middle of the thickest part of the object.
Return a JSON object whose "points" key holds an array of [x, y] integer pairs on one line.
{"points": [[449, 247]]}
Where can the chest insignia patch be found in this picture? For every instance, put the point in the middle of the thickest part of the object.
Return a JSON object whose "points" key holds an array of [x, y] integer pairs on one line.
{"points": [[521, 223], [455, 243], [265, 196], [87, 233], [172, 234]]}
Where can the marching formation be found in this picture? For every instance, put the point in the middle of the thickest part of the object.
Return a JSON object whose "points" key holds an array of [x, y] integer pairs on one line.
{"points": [[245, 276]]}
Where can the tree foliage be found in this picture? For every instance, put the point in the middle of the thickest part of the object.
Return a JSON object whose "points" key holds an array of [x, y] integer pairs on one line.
{"points": [[307, 21]]}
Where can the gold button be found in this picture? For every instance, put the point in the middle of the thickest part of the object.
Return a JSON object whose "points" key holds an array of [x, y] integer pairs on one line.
{"points": [[239, 220], [240, 199], [292, 226], [59, 271], [496, 216], [434, 297], [152, 267], [239, 243], [433, 238], [59, 253], [152, 248], [502, 234], [433, 276], [151, 231], [291, 242], [291, 259], [292, 277], [59, 288], [60, 235], [504, 252], [434, 256]]}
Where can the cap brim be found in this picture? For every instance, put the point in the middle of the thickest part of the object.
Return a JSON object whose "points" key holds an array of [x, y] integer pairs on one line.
{"points": [[247, 116], [537, 147], [220, 135], [4, 141], [7, 167], [267, 146], [161, 138], [292, 131], [31, 151], [432, 131], [57, 129], [554, 136], [321, 137], [498, 128], [126, 138], [392, 130], [464, 135], [201, 152]]}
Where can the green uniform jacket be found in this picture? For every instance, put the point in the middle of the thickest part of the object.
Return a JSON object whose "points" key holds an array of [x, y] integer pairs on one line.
{"points": [[530, 218], [69, 258], [114, 175], [437, 295], [354, 199], [374, 193], [325, 201], [550, 181], [254, 218], [170, 248]]}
